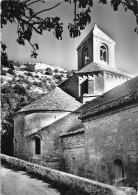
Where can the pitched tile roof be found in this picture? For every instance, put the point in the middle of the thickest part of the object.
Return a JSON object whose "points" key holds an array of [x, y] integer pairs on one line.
{"points": [[120, 95], [56, 100], [93, 67]]}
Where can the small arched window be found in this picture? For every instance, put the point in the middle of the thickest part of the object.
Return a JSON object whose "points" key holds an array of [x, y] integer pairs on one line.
{"points": [[104, 53], [74, 165], [118, 169], [85, 56], [37, 145]]}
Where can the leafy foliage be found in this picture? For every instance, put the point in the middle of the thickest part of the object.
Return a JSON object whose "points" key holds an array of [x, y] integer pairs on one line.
{"points": [[4, 59]]}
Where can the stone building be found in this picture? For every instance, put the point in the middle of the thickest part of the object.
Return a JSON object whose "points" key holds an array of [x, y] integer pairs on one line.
{"points": [[106, 147], [96, 140], [37, 127], [96, 68]]}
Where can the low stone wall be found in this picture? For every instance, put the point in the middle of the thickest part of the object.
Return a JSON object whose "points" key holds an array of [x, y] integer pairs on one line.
{"points": [[86, 185]]}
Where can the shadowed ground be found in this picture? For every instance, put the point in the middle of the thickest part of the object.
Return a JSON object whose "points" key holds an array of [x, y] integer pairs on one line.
{"points": [[16, 182]]}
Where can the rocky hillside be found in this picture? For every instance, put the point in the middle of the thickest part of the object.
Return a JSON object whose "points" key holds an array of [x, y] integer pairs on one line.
{"points": [[38, 78]]}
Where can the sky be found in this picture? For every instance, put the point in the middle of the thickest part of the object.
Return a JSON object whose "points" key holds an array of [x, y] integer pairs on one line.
{"points": [[118, 25]]}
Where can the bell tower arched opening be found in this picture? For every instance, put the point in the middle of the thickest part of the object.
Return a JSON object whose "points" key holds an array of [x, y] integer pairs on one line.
{"points": [[104, 55]]}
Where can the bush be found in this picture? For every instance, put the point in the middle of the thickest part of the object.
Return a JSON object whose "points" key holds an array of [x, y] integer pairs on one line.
{"points": [[28, 74], [20, 89], [11, 72], [56, 70], [48, 71], [36, 76], [29, 67], [38, 84], [21, 76], [58, 77], [3, 72]]}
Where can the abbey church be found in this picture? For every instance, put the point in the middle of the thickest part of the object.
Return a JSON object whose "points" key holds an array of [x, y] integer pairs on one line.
{"points": [[88, 125]]}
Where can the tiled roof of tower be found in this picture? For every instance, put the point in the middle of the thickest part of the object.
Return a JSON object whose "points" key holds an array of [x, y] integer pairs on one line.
{"points": [[120, 95], [56, 100], [93, 67]]}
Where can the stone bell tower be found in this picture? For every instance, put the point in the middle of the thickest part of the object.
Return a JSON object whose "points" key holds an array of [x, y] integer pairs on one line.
{"points": [[96, 47], [97, 73]]}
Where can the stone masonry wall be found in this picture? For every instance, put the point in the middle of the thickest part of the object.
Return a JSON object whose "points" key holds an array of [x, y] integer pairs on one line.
{"points": [[113, 136], [85, 185], [51, 149], [74, 147]]}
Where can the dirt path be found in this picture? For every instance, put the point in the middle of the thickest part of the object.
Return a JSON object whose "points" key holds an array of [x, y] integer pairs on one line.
{"points": [[19, 183]]}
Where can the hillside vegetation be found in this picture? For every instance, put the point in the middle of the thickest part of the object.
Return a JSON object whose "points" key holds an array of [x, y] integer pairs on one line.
{"points": [[38, 78]]}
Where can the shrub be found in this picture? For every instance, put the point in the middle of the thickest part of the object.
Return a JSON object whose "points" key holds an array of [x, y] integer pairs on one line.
{"points": [[38, 84], [20, 89], [59, 77], [21, 76], [11, 72], [56, 70], [48, 71], [29, 67], [3, 72], [28, 74], [36, 76]]}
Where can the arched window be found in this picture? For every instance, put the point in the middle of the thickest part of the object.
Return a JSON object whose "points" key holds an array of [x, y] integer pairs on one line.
{"points": [[104, 53], [85, 56], [118, 169], [74, 165], [37, 145]]}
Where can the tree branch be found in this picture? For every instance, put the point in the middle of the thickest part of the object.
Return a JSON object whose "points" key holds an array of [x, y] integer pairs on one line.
{"points": [[27, 1], [46, 10], [35, 2], [32, 46], [29, 24], [123, 3]]}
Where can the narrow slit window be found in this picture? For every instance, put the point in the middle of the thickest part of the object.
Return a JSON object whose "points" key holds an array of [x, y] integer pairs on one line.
{"points": [[37, 144]]}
